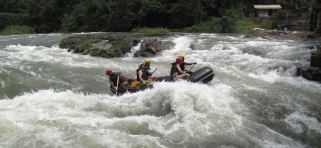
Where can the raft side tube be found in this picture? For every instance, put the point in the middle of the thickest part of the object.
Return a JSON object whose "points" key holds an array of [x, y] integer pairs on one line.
{"points": [[167, 78], [123, 89], [203, 75]]}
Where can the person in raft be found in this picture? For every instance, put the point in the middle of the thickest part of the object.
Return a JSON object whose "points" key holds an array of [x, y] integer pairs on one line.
{"points": [[176, 71], [185, 63], [113, 76], [142, 75], [148, 70]]}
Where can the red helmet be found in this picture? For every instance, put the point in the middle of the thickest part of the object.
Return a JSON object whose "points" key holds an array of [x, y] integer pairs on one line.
{"points": [[179, 59], [108, 71]]}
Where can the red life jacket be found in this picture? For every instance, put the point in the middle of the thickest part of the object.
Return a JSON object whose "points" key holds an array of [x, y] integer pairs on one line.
{"points": [[122, 79]]}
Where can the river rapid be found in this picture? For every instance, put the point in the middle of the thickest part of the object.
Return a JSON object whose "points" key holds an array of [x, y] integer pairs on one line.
{"points": [[50, 97]]}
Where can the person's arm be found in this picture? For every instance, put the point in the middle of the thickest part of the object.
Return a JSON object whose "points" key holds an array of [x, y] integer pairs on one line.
{"points": [[140, 73], [150, 71], [112, 85], [189, 63]]}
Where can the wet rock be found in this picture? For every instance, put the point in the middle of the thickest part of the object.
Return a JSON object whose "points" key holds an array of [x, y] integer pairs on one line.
{"points": [[114, 46], [193, 46], [310, 73], [252, 50], [150, 47]]}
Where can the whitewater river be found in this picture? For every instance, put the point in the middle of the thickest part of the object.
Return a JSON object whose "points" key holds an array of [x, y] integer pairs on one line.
{"points": [[50, 97]]}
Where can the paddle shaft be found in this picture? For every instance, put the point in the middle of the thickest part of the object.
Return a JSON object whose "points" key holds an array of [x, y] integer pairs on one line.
{"points": [[117, 84], [191, 67]]}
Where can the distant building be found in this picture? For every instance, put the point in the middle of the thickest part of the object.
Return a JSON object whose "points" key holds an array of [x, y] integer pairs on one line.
{"points": [[297, 19], [264, 10]]}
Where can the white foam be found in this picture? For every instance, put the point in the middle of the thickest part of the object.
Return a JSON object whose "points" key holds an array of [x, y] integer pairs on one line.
{"points": [[182, 46], [53, 54], [298, 122], [206, 105], [182, 113]]}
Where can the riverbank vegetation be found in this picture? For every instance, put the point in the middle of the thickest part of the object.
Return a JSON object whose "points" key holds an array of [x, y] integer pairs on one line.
{"points": [[17, 29], [226, 16], [157, 30]]}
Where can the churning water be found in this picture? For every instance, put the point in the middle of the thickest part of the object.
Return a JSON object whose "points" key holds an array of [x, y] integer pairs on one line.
{"points": [[50, 97]]}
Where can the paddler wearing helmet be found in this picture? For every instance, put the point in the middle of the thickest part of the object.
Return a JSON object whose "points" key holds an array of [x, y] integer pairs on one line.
{"points": [[176, 71], [185, 63], [148, 70], [114, 76], [142, 75]]}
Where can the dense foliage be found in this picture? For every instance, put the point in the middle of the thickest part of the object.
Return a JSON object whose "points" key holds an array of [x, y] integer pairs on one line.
{"points": [[17, 29], [45, 16]]}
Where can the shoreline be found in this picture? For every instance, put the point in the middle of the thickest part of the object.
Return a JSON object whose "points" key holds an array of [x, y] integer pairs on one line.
{"points": [[293, 35]]}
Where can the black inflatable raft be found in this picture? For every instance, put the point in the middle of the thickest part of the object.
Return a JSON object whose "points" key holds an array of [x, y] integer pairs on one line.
{"points": [[124, 88], [203, 75]]}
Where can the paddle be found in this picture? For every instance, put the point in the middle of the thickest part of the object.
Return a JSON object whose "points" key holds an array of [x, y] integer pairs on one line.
{"points": [[191, 68], [117, 84]]}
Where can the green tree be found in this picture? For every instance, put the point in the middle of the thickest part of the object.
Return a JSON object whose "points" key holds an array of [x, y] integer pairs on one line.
{"points": [[123, 18], [124, 15], [210, 7], [14, 19], [229, 19], [42, 14], [88, 15], [68, 23], [10, 6], [153, 14], [185, 13]]}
